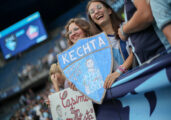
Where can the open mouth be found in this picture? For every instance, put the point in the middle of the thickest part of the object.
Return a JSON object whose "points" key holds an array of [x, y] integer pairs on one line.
{"points": [[76, 37], [98, 17]]}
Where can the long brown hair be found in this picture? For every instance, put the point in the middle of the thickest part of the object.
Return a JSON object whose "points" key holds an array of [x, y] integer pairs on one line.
{"points": [[115, 19], [83, 24]]}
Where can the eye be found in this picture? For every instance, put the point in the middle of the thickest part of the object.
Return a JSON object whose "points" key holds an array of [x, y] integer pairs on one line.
{"points": [[99, 7], [76, 28], [69, 32], [91, 11]]}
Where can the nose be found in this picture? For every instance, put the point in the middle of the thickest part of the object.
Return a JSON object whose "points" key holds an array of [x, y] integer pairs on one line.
{"points": [[96, 11], [73, 34]]}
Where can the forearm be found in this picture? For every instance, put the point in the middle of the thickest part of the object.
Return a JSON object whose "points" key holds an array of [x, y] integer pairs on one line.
{"points": [[136, 23], [56, 86], [128, 62], [141, 19], [112, 77], [167, 32]]}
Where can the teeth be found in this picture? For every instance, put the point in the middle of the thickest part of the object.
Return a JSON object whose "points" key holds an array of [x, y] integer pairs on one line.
{"points": [[98, 17]]}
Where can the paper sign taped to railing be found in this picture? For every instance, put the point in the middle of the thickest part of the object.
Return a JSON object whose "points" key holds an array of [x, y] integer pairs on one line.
{"points": [[87, 64], [71, 105]]}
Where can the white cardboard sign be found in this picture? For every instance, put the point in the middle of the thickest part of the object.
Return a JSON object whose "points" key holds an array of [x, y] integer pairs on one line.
{"points": [[71, 105]]}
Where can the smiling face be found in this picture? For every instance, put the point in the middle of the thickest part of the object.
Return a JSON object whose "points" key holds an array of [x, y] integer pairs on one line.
{"points": [[99, 13], [75, 32]]}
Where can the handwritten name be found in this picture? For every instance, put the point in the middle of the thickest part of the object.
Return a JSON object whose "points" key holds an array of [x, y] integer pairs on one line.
{"points": [[71, 101]]}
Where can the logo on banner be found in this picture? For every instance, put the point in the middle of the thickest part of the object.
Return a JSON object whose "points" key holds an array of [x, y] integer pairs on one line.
{"points": [[11, 42], [71, 105], [87, 64], [32, 32]]}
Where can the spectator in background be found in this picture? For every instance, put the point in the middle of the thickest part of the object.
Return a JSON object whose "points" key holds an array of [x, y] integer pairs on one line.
{"points": [[161, 10], [51, 57], [56, 49], [62, 44], [58, 79], [138, 27], [104, 19], [22, 100], [62, 41], [48, 59], [31, 93], [27, 72]]}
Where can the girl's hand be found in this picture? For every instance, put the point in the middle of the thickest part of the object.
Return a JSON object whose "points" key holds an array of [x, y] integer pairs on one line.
{"points": [[110, 79], [54, 79], [72, 86], [120, 35]]}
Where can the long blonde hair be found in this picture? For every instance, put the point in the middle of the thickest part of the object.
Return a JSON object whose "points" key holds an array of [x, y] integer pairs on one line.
{"points": [[54, 68]]}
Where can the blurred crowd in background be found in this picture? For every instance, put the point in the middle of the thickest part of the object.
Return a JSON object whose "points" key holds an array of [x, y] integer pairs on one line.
{"points": [[31, 105]]}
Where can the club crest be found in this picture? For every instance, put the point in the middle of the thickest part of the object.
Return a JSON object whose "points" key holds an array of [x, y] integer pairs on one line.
{"points": [[87, 64], [11, 42]]}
